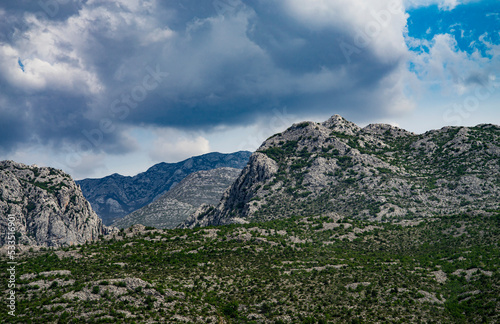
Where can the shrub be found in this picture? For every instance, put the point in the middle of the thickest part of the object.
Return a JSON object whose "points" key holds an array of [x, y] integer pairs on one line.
{"points": [[31, 206], [230, 309]]}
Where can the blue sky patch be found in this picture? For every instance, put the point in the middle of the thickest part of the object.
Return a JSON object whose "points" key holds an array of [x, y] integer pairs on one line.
{"points": [[21, 65], [467, 23]]}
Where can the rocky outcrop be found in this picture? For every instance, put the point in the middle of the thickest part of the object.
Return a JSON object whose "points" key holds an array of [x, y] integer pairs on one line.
{"points": [[45, 206], [180, 202], [260, 168], [379, 172], [115, 196]]}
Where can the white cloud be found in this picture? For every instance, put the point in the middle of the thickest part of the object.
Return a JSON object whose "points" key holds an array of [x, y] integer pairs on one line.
{"points": [[230, 69], [59, 55], [158, 35], [50, 53], [174, 146], [444, 65], [90, 164], [378, 24]]}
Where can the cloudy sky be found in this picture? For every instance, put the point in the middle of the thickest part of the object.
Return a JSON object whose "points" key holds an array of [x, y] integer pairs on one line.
{"points": [[96, 87]]}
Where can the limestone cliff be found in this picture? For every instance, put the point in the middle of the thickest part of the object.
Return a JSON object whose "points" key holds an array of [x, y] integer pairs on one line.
{"points": [[47, 206]]}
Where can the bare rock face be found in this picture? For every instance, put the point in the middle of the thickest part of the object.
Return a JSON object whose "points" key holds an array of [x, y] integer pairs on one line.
{"points": [[379, 172], [46, 206], [180, 202], [259, 169]]}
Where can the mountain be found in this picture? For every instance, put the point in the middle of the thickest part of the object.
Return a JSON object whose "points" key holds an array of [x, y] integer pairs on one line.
{"points": [[46, 206], [115, 196], [181, 201], [379, 172]]}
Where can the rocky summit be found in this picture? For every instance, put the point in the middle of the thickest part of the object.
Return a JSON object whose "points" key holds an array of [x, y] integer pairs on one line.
{"points": [[46, 207], [379, 172], [181, 201], [115, 196]]}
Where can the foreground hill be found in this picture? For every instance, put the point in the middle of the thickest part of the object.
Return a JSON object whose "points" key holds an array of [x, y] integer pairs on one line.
{"points": [[379, 172], [180, 202], [115, 196], [324, 269], [47, 207]]}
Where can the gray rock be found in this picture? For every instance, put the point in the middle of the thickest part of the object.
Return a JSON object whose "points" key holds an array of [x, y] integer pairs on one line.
{"points": [[379, 172], [46, 206], [180, 202]]}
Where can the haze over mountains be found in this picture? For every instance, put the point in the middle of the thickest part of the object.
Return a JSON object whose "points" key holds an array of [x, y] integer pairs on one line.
{"points": [[115, 196]]}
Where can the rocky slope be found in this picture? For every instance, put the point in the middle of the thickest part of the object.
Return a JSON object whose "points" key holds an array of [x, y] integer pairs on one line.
{"points": [[320, 269], [177, 204], [379, 172], [115, 196], [47, 207]]}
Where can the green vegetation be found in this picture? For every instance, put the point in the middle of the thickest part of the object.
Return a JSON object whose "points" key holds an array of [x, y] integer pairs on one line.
{"points": [[303, 125], [298, 262], [30, 207], [281, 152], [295, 270]]}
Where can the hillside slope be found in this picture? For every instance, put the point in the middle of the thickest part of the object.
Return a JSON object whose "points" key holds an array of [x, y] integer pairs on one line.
{"points": [[294, 270], [377, 172], [177, 204], [115, 196], [47, 206]]}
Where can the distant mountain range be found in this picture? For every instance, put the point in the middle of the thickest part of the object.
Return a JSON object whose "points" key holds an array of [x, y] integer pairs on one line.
{"points": [[115, 196], [45, 206], [379, 172], [181, 201]]}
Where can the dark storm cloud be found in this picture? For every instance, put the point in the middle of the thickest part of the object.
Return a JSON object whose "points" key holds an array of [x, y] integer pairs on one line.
{"points": [[292, 45], [12, 131], [216, 63], [274, 61], [53, 120], [54, 10]]}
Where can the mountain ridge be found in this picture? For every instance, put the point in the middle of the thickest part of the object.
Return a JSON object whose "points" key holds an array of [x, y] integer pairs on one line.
{"points": [[182, 200], [378, 172], [115, 196]]}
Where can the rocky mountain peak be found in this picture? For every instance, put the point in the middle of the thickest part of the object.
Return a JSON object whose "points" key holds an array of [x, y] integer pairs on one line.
{"points": [[380, 172], [48, 207], [339, 124], [182, 200]]}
